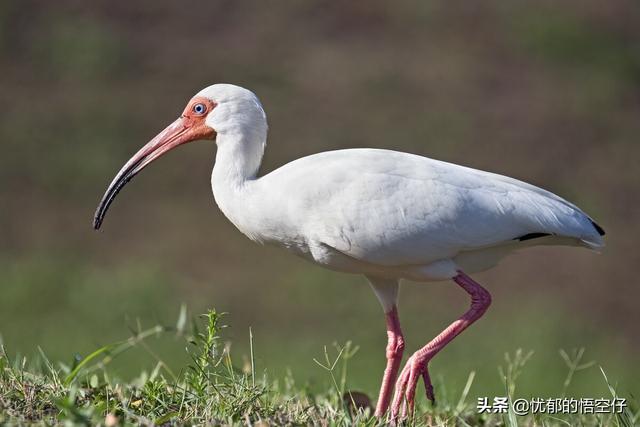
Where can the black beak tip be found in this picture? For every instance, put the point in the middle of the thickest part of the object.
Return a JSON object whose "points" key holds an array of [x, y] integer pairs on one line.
{"points": [[123, 177], [97, 223], [97, 218]]}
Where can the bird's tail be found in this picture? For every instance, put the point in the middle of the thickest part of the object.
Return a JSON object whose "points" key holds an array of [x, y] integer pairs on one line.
{"points": [[594, 240]]}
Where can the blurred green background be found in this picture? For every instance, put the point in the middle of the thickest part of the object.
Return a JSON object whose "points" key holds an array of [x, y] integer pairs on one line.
{"points": [[548, 92]]}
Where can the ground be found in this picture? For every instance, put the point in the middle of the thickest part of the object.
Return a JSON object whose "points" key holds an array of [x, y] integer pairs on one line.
{"points": [[213, 390]]}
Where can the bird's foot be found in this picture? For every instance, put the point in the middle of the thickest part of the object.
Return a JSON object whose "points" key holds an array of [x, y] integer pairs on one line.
{"points": [[405, 390]]}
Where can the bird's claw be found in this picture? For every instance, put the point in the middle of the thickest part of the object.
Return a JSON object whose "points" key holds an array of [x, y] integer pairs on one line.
{"points": [[428, 386], [405, 391]]}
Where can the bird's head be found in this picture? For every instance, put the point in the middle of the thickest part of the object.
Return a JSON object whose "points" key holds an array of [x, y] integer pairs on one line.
{"points": [[220, 109]]}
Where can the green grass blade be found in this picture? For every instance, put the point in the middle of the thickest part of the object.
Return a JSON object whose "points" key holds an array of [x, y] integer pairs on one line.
{"points": [[74, 373], [623, 419]]}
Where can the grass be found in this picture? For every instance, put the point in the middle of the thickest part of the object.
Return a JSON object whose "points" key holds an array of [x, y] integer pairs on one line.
{"points": [[213, 389]]}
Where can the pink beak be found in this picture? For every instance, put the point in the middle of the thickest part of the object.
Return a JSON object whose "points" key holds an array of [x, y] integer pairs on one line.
{"points": [[181, 131]]}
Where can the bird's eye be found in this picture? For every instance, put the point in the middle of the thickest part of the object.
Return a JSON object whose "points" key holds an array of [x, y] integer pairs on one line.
{"points": [[199, 108]]}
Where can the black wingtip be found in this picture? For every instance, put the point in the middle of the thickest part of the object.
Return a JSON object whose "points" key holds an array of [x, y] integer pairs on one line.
{"points": [[531, 236], [599, 229]]}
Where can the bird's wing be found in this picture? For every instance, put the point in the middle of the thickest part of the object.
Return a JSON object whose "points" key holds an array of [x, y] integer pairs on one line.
{"points": [[392, 208]]}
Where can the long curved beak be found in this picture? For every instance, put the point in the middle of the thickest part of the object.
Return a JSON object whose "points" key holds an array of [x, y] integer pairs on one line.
{"points": [[179, 132]]}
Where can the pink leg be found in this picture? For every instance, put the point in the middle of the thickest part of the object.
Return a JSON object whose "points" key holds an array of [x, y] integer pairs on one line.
{"points": [[395, 347], [416, 367]]}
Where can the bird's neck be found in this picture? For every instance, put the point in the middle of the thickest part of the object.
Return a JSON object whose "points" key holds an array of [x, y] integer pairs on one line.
{"points": [[235, 173], [238, 159]]}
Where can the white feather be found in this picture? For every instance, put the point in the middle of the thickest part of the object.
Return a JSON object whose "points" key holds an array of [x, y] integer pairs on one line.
{"points": [[378, 212]]}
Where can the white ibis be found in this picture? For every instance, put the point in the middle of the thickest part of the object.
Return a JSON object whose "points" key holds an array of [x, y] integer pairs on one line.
{"points": [[384, 214]]}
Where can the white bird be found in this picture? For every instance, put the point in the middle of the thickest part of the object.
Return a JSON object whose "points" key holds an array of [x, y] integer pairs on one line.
{"points": [[384, 214]]}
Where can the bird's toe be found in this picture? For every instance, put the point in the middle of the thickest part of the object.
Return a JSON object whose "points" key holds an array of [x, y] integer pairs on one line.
{"points": [[428, 386]]}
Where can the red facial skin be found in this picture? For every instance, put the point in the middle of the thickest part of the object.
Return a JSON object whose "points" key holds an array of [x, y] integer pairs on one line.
{"points": [[195, 122]]}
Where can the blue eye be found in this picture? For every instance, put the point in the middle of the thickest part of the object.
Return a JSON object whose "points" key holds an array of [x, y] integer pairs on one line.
{"points": [[199, 108]]}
